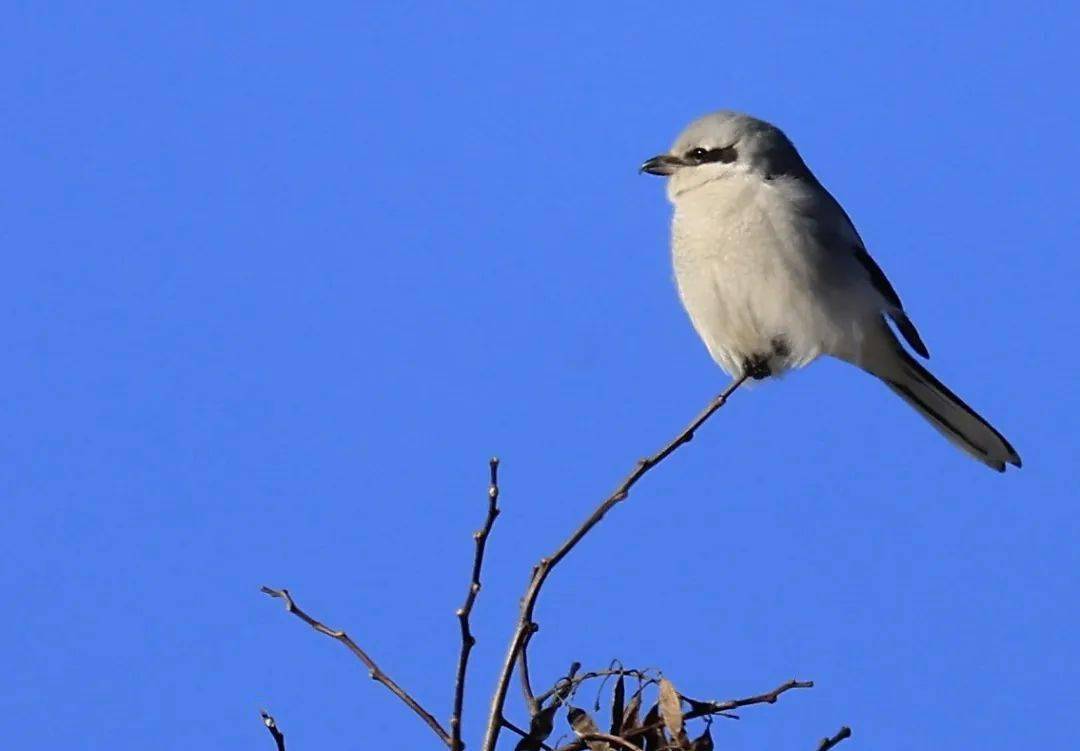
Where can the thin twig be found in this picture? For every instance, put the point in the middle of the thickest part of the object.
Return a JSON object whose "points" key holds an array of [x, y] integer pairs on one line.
{"points": [[523, 669], [271, 725], [546, 565], [703, 709], [374, 671], [769, 697], [463, 613], [612, 739], [563, 684], [827, 743]]}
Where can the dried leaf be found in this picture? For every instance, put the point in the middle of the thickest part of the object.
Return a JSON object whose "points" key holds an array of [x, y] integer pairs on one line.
{"points": [[670, 706], [630, 714], [671, 709], [618, 706], [703, 742], [654, 739], [528, 743], [583, 725], [540, 727]]}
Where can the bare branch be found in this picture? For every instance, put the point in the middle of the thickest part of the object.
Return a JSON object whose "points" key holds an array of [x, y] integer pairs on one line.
{"points": [[700, 709], [463, 613], [375, 672], [271, 725], [565, 685], [612, 739], [523, 669], [841, 734], [546, 565]]}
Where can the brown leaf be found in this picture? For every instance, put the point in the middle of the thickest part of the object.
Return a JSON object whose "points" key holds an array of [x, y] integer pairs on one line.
{"points": [[671, 709], [630, 714], [618, 705], [654, 739], [540, 727], [703, 742]]}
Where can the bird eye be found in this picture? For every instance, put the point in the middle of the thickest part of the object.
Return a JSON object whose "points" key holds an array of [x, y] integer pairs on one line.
{"points": [[725, 154]]}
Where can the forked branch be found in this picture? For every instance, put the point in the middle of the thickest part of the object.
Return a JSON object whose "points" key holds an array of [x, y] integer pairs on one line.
{"points": [[700, 709], [525, 625], [626, 730], [827, 743], [463, 613]]}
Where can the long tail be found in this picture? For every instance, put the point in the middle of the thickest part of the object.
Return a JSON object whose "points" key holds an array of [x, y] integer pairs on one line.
{"points": [[947, 412]]}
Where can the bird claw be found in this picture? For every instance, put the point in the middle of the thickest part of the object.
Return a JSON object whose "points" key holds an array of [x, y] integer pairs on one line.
{"points": [[757, 367]]}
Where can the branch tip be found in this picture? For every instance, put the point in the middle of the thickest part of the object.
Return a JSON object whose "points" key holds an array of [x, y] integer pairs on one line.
{"points": [[275, 731], [827, 743], [374, 672], [468, 641]]}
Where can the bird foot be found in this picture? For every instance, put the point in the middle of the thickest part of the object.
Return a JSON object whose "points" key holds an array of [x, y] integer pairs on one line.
{"points": [[757, 367]]}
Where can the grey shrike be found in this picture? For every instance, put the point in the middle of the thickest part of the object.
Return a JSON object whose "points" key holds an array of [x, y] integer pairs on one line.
{"points": [[773, 273]]}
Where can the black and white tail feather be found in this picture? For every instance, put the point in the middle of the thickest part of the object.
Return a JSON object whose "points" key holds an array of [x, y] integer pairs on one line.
{"points": [[953, 418]]}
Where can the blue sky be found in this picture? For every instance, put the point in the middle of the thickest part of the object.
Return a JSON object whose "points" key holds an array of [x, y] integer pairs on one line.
{"points": [[279, 281]]}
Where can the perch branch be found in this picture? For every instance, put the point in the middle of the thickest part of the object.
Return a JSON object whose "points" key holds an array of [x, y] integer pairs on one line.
{"points": [[374, 671], [546, 565], [279, 737], [463, 613], [827, 743]]}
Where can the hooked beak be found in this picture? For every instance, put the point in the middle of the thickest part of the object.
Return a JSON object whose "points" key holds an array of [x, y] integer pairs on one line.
{"points": [[665, 164]]}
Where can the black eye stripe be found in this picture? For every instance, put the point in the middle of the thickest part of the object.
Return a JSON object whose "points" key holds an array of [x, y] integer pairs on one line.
{"points": [[726, 154]]}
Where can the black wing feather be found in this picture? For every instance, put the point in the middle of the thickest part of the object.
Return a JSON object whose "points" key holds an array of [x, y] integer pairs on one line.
{"points": [[797, 169], [882, 285]]}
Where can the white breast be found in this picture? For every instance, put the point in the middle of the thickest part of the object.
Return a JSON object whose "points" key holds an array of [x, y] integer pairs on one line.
{"points": [[750, 274]]}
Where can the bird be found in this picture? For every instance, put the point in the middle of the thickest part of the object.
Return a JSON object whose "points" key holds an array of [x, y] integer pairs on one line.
{"points": [[773, 274]]}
